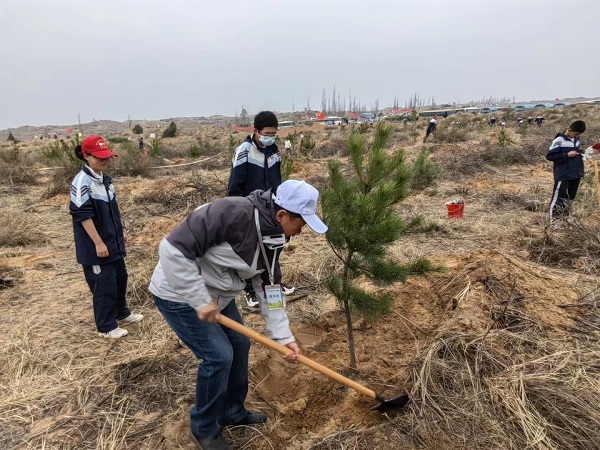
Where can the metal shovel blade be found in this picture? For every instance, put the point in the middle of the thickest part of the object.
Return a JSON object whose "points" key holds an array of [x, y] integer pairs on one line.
{"points": [[399, 401]]}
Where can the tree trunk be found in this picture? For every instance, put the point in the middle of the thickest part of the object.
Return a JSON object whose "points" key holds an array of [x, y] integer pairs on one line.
{"points": [[350, 335], [345, 282]]}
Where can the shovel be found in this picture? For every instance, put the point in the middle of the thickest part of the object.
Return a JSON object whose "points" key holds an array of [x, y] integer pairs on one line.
{"points": [[397, 402]]}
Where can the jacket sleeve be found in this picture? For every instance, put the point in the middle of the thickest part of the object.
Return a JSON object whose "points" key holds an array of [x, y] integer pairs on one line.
{"points": [[183, 275], [239, 173], [556, 152], [80, 205], [206, 227]]}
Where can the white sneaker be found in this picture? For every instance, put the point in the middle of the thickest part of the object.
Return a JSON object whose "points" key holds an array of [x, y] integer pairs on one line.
{"points": [[131, 318], [115, 334], [287, 290], [251, 299]]}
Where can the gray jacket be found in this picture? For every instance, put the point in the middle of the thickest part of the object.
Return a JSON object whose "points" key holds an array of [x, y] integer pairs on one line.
{"points": [[213, 250]]}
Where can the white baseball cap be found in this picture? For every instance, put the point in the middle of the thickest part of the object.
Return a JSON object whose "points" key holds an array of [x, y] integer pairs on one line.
{"points": [[301, 198]]}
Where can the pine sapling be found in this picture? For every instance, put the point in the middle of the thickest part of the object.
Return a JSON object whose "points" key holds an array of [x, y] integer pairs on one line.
{"points": [[360, 211]]}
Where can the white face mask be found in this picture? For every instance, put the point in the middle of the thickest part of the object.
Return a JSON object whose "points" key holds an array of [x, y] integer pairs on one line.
{"points": [[266, 140]]}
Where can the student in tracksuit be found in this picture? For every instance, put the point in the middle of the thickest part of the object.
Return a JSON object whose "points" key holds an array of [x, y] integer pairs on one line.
{"points": [[203, 264], [256, 164], [99, 240], [567, 157]]}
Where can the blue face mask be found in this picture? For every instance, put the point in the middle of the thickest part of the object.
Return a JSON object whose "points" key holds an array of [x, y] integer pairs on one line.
{"points": [[266, 140]]}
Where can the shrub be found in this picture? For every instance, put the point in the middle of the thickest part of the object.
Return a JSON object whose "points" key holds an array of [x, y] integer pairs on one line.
{"points": [[287, 167], [137, 129], [131, 162], [171, 131], [307, 146], [11, 138], [117, 140], [424, 172], [363, 128], [194, 151], [14, 168], [155, 149]]}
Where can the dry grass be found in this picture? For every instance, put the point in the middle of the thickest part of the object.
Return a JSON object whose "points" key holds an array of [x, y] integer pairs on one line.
{"points": [[572, 244], [183, 193], [15, 167], [18, 229], [507, 390]]}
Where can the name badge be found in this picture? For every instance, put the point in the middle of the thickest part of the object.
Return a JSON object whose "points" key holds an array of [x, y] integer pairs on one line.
{"points": [[274, 297]]}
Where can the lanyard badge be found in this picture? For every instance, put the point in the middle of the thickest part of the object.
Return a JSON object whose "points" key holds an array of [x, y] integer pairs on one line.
{"points": [[273, 292]]}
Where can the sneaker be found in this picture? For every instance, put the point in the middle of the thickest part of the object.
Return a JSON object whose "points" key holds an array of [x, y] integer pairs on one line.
{"points": [[253, 418], [217, 442], [115, 334], [287, 290], [251, 299], [131, 318]]}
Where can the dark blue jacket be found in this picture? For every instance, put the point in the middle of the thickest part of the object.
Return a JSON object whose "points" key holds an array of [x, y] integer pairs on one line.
{"points": [[565, 168], [254, 168], [94, 198]]}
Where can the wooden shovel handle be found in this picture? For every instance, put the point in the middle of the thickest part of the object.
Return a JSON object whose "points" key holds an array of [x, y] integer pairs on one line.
{"points": [[235, 326]]}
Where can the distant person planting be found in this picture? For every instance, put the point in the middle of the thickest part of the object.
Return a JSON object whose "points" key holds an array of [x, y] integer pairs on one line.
{"points": [[431, 128]]}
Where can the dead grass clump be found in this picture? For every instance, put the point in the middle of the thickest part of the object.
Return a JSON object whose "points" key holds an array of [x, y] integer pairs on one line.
{"points": [[574, 245], [14, 167], [60, 181], [17, 228], [333, 147], [504, 390], [184, 193]]}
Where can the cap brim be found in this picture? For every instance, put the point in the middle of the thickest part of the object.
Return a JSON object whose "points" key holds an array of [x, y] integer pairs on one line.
{"points": [[315, 224], [103, 154]]}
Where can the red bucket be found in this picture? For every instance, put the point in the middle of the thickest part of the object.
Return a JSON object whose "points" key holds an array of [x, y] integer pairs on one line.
{"points": [[455, 210]]}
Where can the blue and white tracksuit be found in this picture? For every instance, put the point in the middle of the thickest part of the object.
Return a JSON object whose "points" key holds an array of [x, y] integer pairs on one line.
{"points": [[568, 172], [93, 197]]}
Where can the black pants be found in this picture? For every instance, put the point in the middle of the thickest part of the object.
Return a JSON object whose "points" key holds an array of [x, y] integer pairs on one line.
{"points": [[108, 283], [562, 196]]}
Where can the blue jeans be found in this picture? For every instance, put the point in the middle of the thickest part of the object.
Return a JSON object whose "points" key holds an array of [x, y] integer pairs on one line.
{"points": [[222, 382]]}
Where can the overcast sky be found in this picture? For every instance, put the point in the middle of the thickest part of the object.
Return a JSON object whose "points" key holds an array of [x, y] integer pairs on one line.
{"points": [[107, 59]]}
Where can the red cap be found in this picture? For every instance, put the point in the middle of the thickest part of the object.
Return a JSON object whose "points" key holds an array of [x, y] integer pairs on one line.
{"points": [[96, 146], [596, 146]]}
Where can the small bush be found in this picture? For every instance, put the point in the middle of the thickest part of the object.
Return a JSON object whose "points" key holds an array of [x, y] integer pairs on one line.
{"points": [[424, 172], [54, 151], [363, 128], [232, 144], [155, 149], [117, 140], [194, 151], [171, 131], [131, 162], [137, 129], [307, 146], [14, 168], [11, 138], [287, 167]]}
